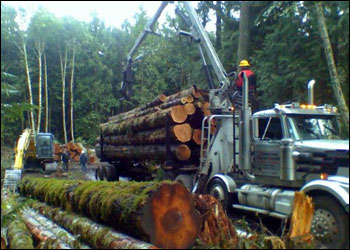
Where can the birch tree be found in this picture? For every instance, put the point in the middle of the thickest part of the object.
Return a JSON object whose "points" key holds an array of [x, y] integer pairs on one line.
{"points": [[63, 64], [71, 91]]}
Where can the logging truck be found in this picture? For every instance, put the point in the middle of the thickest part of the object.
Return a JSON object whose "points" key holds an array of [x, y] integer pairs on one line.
{"points": [[252, 162]]}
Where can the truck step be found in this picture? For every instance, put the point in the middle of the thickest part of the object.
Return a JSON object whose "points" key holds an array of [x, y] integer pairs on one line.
{"points": [[261, 211], [11, 179]]}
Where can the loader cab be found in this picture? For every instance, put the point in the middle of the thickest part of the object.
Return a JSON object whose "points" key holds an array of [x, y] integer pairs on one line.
{"points": [[44, 146]]}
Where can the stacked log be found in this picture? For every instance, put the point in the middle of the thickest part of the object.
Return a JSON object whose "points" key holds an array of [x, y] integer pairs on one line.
{"points": [[160, 130], [161, 213], [74, 150]]}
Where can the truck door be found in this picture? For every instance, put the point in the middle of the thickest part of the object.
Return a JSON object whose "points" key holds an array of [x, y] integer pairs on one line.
{"points": [[267, 143]]}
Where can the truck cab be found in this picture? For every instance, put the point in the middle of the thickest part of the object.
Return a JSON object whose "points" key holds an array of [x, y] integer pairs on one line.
{"points": [[313, 135]]}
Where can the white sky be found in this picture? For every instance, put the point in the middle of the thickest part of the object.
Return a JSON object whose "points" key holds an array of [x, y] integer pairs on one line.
{"points": [[114, 13]]}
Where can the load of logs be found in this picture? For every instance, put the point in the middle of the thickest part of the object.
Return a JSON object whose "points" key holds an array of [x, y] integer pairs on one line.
{"points": [[165, 129]]}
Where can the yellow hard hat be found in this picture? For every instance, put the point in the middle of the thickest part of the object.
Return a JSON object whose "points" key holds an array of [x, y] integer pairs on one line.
{"points": [[244, 63]]}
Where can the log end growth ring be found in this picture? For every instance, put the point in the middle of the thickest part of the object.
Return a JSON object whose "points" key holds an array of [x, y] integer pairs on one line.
{"points": [[170, 218]]}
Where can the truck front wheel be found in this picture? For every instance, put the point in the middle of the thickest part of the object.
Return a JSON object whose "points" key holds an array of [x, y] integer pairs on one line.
{"points": [[218, 189], [330, 224]]}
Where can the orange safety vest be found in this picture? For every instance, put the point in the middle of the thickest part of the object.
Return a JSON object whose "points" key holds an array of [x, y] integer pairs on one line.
{"points": [[251, 79]]}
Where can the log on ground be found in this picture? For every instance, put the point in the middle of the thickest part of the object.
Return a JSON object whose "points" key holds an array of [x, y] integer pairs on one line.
{"points": [[158, 212], [19, 236], [96, 235]]}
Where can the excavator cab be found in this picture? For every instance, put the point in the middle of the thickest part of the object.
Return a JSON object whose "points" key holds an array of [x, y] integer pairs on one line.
{"points": [[44, 146]]}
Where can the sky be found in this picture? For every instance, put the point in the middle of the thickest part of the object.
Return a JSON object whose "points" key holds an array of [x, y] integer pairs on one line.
{"points": [[114, 13]]}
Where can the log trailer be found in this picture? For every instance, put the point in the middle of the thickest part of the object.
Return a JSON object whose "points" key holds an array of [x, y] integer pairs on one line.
{"points": [[256, 162]]}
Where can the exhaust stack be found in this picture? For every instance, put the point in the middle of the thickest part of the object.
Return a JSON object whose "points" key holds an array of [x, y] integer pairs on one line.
{"points": [[310, 92], [244, 139]]}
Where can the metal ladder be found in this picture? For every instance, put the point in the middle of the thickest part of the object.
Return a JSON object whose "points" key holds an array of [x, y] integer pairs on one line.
{"points": [[206, 136]]}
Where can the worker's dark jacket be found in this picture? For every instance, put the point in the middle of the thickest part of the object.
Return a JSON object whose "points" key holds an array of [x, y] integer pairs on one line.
{"points": [[65, 157], [251, 79]]}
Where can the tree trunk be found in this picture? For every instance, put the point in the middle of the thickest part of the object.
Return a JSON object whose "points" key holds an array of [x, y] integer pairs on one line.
{"points": [[29, 86], [158, 212], [18, 235], [46, 97], [180, 133], [96, 235], [154, 120], [218, 25], [243, 41], [331, 65], [39, 46], [303, 211], [71, 94], [63, 62], [146, 152]]}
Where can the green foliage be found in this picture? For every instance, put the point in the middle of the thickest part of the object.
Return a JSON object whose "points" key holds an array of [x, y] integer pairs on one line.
{"points": [[285, 51]]}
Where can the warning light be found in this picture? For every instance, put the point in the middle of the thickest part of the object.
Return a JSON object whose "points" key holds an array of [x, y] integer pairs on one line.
{"points": [[324, 176], [232, 108]]}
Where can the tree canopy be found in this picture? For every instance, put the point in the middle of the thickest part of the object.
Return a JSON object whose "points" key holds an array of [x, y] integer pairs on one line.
{"points": [[285, 50]]}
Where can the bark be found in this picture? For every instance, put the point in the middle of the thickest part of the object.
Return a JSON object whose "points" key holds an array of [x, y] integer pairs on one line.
{"points": [[18, 235], [149, 107], [39, 46], [243, 41], [218, 25], [23, 50], [158, 212], [303, 211], [71, 94], [145, 152], [150, 121], [180, 133], [96, 235], [63, 62], [46, 97], [331, 65], [56, 234]]}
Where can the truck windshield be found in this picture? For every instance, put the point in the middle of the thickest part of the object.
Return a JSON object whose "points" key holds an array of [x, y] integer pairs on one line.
{"points": [[306, 127]]}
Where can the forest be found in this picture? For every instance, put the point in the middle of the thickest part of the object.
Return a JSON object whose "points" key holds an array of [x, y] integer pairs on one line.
{"points": [[62, 75]]}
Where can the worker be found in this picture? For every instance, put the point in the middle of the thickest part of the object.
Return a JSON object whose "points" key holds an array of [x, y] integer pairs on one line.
{"points": [[244, 66], [83, 159], [65, 160]]}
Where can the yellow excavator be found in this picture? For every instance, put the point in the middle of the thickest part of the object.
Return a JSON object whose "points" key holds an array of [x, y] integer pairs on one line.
{"points": [[32, 152]]}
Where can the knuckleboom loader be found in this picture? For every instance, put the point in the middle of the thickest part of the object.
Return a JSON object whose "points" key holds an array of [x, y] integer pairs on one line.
{"points": [[256, 162], [32, 152]]}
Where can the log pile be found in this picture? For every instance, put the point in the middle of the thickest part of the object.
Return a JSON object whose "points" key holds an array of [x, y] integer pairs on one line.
{"points": [[74, 150], [166, 129], [161, 213]]}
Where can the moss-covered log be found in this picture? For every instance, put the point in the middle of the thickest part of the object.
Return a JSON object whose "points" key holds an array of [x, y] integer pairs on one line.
{"points": [[158, 212], [146, 152], [19, 236], [96, 235]]}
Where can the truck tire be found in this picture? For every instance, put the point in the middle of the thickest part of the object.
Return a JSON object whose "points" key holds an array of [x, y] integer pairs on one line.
{"points": [[100, 173], [186, 181], [330, 224], [218, 189], [111, 173]]}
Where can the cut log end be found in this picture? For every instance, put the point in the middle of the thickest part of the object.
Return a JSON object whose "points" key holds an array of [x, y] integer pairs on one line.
{"points": [[178, 114], [183, 152], [170, 218], [195, 92], [197, 134], [189, 99], [190, 108], [183, 132], [205, 109], [162, 98]]}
